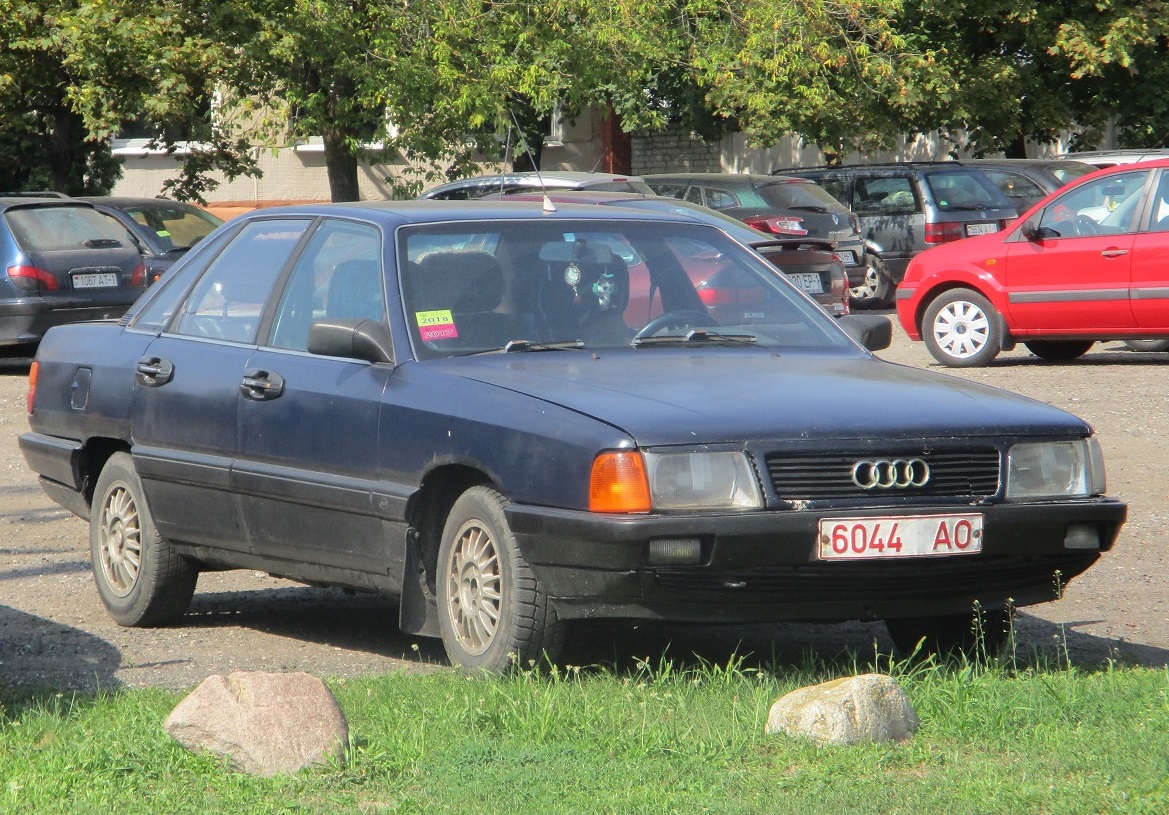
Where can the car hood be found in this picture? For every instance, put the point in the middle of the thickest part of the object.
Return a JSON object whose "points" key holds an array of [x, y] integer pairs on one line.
{"points": [[665, 396]]}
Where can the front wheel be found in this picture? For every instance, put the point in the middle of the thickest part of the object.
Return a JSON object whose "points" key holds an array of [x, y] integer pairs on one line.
{"points": [[141, 580], [961, 329], [1059, 350], [877, 288], [493, 615]]}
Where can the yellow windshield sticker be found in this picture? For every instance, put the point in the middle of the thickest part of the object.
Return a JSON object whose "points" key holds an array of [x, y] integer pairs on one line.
{"points": [[436, 325]]}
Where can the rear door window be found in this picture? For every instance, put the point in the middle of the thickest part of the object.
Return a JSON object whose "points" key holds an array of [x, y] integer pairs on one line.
{"points": [[885, 196]]}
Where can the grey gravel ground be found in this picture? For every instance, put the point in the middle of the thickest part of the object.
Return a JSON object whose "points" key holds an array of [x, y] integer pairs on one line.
{"points": [[54, 631]]}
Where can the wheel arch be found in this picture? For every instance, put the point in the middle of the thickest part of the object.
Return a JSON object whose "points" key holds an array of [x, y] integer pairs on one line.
{"points": [[426, 514], [98, 451], [994, 294]]}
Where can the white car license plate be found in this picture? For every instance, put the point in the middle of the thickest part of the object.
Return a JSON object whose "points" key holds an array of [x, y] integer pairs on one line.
{"points": [[103, 280], [899, 536], [847, 257], [807, 281], [981, 229]]}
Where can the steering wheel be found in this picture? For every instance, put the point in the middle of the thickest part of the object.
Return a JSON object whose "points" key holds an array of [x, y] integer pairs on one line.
{"points": [[1086, 226], [675, 319]]}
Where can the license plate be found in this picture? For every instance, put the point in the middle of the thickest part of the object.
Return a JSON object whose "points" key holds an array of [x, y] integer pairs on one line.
{"points": [[899, 536], [807, 281], [104, 280], [981, 229], [847, 257]]}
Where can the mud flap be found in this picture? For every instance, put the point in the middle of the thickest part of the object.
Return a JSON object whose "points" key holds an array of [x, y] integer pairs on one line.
{"points": [[418, 610]]}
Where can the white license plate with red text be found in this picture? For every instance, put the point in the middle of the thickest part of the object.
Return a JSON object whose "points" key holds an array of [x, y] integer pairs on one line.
{"points": [[105, 280], [894, 536]]}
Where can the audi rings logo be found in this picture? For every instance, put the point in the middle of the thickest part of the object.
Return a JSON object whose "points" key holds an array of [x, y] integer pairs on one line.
{"points": [[887, 475]]}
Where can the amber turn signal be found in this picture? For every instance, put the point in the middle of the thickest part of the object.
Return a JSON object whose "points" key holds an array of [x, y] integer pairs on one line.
{"points": [[618, 483]]}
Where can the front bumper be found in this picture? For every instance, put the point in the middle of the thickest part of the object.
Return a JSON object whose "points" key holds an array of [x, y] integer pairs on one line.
{"points": [[762, 566]]}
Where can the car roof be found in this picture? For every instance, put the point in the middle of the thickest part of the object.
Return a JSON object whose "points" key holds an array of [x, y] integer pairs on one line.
{"points": [[559, 178], [742, 178], [137, 202], [423, 211], [28, 202]]}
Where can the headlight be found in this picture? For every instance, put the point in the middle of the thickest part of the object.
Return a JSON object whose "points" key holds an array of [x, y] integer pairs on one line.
{"points": [[721, 480], [1055, 469]]}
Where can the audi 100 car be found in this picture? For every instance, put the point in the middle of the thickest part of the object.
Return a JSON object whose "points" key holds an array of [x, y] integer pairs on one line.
{"points": [[452, 404]]}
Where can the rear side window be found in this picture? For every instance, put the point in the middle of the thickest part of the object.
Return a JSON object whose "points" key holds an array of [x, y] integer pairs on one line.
{"points": [[174, 227], [965, 190], [885, 196], [228, 301], [57, 228]]}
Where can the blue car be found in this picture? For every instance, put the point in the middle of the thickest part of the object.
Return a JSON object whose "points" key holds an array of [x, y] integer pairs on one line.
{"points": [[509, 417]]}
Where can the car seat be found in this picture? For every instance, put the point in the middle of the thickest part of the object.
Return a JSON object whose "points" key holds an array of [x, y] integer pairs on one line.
{"points": [[471, 287], [583, 294], [355, 291]]}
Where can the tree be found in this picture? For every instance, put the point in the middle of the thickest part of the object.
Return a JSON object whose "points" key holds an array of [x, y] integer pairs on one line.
{"points": [[44, 143]]}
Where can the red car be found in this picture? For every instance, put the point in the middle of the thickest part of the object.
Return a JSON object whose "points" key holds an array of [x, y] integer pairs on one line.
{"points": [[1089, 262]]}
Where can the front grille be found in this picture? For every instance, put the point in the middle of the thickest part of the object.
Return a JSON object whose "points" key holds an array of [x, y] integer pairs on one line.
{"points": [[964, 474]]}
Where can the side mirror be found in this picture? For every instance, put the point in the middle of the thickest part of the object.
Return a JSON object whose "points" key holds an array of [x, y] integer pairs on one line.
{"points": [[362, 339], [1032, 231], [873, 331]]}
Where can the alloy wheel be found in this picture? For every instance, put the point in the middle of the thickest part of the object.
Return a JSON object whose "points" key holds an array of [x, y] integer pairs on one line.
{"points": [[120, 547], [474, 583]]}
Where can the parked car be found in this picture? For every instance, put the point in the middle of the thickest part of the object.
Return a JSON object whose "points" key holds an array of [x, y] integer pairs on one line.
{"points": [[906, 207], [1024, 181], [65, 262], [1087, 263], [1101, 159], [164, 229], [506, 183], [777, 206], [812, 265], [467, 422]]}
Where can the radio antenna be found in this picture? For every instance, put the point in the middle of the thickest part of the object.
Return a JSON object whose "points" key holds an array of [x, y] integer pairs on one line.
{"points": [[548, 205]]}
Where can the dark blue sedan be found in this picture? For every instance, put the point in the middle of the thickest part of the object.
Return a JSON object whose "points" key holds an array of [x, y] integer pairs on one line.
{"points": [[509, 418]]}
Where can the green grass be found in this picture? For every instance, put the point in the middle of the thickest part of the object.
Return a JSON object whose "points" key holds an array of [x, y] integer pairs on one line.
{"points": [[655, 739]]}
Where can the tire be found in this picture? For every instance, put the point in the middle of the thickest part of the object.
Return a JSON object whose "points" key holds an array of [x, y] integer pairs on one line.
{"points": [[877, 289], [141, 580], [961, 329], [493, 615], [1148, 345], [1059, 350], [978, 635]]}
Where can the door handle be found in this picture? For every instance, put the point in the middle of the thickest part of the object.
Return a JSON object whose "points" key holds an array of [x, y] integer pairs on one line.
{"points": [[1113, 253], [260, 386], [153, 372]]}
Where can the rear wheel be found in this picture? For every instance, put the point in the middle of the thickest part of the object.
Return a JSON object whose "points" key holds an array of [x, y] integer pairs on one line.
{"points": [[877, 288], [1148, 345], [961, 329], [493, 615], [141, 580], [978, 634], [1059, 350]]}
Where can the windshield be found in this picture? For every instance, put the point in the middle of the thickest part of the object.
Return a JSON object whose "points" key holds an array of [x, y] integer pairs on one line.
{"points": [[563, 284], [174, 227]]}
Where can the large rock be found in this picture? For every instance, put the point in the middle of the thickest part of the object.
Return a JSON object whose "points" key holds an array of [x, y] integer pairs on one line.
{"points": [[264, 723], [867, 708]]}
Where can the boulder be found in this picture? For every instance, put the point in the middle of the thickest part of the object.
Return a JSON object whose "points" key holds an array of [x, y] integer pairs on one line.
{"points": [[263, 723], [867, 708]]}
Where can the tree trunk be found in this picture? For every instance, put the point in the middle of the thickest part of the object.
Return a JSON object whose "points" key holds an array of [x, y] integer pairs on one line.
{"points": [[62, 157], [341, 166], [1017, 148]]}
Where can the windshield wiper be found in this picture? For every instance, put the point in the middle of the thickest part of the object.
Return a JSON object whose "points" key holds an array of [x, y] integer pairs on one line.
{"points": [[525, 345], [698, 335]]}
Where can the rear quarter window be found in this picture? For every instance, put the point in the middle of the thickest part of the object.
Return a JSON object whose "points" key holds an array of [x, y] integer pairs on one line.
{"points": [[892, 195]]}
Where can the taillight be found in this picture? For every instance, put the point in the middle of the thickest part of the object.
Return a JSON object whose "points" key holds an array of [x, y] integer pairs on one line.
{"points": [[778, 224], [840, 285], [32, 385], [942, 233], [138, 276], [855, 221], [30, 278]]}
